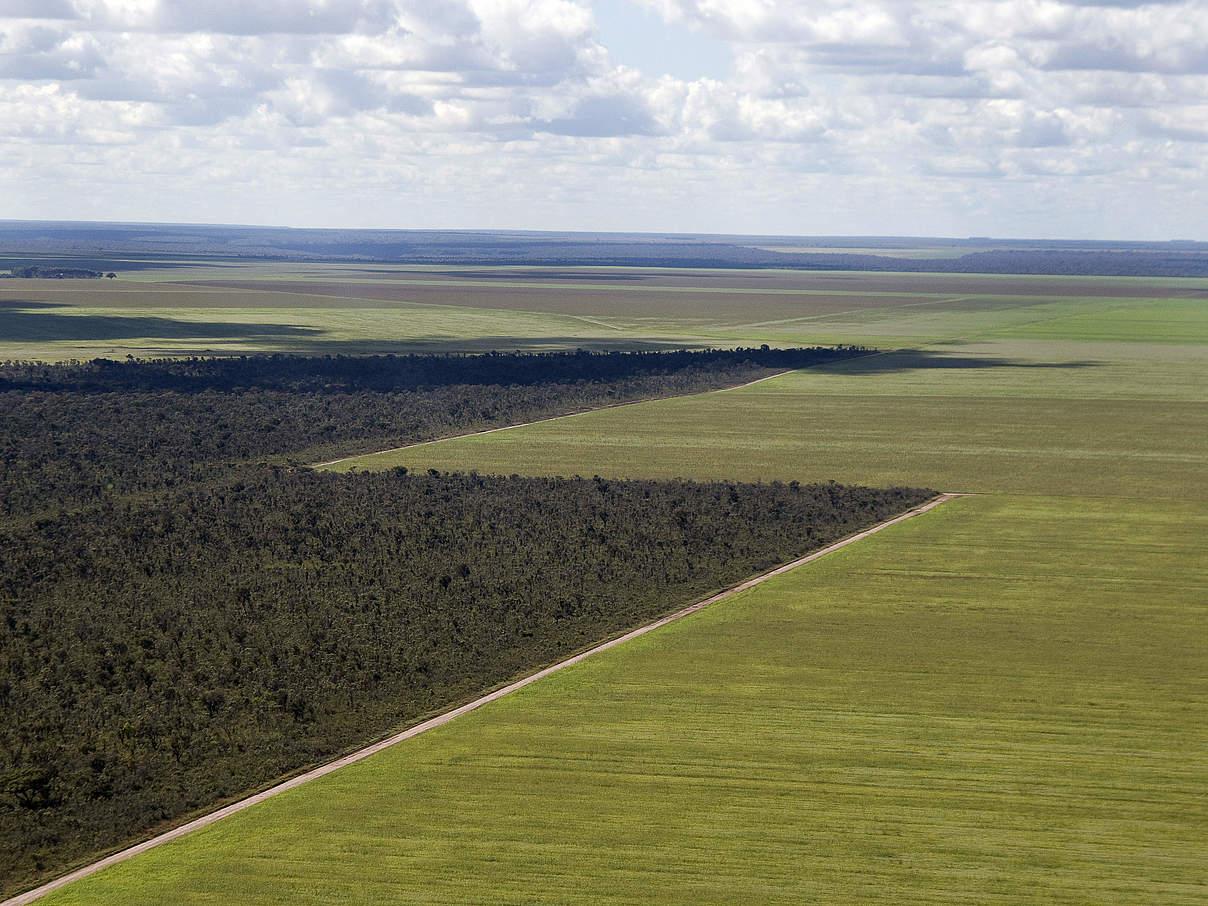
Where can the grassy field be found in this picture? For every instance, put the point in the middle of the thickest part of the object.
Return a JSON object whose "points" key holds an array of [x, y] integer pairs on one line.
{"points": [[238, 307], [60, 323], [1124, 421], [1003, 701]]}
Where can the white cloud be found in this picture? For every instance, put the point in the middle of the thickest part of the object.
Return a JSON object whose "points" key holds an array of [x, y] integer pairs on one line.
{"points": [[37, 9], [894, 111]]}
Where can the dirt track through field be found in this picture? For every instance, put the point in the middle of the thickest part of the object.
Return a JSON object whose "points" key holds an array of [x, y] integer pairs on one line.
{"points": [[552, 418], [446, 717]]}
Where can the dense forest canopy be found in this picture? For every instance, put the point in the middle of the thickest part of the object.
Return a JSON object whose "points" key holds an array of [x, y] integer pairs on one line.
{"points": [[81, 432], [53, 272], [383, 373]]}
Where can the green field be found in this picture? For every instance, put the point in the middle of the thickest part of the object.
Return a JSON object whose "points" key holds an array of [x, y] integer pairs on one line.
{"points": [[1102, 420], [1002, 701], [236, 307]]}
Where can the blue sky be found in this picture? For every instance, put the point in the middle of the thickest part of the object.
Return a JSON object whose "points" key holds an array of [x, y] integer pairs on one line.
{"points": [[1044, 118], [638, 36]]}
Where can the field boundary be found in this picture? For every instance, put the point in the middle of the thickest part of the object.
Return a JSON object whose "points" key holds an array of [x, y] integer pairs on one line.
{"points": [[538, 421], [441, 719]]}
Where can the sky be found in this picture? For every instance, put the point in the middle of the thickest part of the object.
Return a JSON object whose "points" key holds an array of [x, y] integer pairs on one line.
{"points": [[1019, 118]]}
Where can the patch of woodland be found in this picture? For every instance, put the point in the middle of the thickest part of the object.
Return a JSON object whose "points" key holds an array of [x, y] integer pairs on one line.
{"points": [[384, 373], [54, 273], [82, 432]]}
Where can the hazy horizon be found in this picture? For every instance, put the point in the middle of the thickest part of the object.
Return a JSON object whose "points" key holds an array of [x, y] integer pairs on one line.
{"points": [[974, 241]]}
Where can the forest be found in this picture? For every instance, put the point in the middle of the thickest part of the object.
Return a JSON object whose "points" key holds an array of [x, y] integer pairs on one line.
{"points": [[75, 433], [189, 611], [40, 272], [382, 373]]}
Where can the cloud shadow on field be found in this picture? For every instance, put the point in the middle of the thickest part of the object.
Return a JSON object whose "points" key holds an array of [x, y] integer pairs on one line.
{"points": [[922, 359], [31, 322]]}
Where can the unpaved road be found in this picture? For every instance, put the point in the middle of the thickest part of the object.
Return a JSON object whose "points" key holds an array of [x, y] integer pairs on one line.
{"points": [[441, 719], [552, 418]]}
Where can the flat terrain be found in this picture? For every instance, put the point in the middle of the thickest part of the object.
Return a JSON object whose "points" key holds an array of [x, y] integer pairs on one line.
{"points": [[237, 307], [962, 419], [1001, 701]]}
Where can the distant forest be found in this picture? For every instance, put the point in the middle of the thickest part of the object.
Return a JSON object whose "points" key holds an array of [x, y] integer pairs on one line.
{"points": [[41, 272], [187, 611], [89, 244], [82, 432]]}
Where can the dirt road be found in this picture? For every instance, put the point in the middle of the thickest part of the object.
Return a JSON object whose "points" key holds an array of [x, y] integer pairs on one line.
{"points": [[538, 421], [441, 719]]}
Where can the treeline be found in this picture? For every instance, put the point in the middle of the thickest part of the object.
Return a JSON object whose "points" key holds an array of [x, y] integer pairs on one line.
{"points": [[53, 272], [76, 433], [158, 656], [384, 373]]}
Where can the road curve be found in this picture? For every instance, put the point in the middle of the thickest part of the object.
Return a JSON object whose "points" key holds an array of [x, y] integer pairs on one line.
{"points": [[538, 421], [441, 719]]}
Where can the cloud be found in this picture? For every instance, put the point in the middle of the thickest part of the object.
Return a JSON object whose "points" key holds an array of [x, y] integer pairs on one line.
{"points": [[604, 116], [235, 17], [423, 98], [264, 17], [1186, 125], [41, 52], [38, 9]]}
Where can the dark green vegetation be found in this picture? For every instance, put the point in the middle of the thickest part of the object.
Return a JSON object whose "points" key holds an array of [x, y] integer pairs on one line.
{"points": [[391, 373], [78, 433], [183, 623], [52, 272]]}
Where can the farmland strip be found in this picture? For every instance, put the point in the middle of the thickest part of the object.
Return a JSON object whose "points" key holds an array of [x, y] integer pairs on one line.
{"points": [[539, 421]]}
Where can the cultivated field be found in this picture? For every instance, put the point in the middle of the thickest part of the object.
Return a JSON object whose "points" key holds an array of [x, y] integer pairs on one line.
{"points": [[238, 307], [1036, 417], [1001, 701]]}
